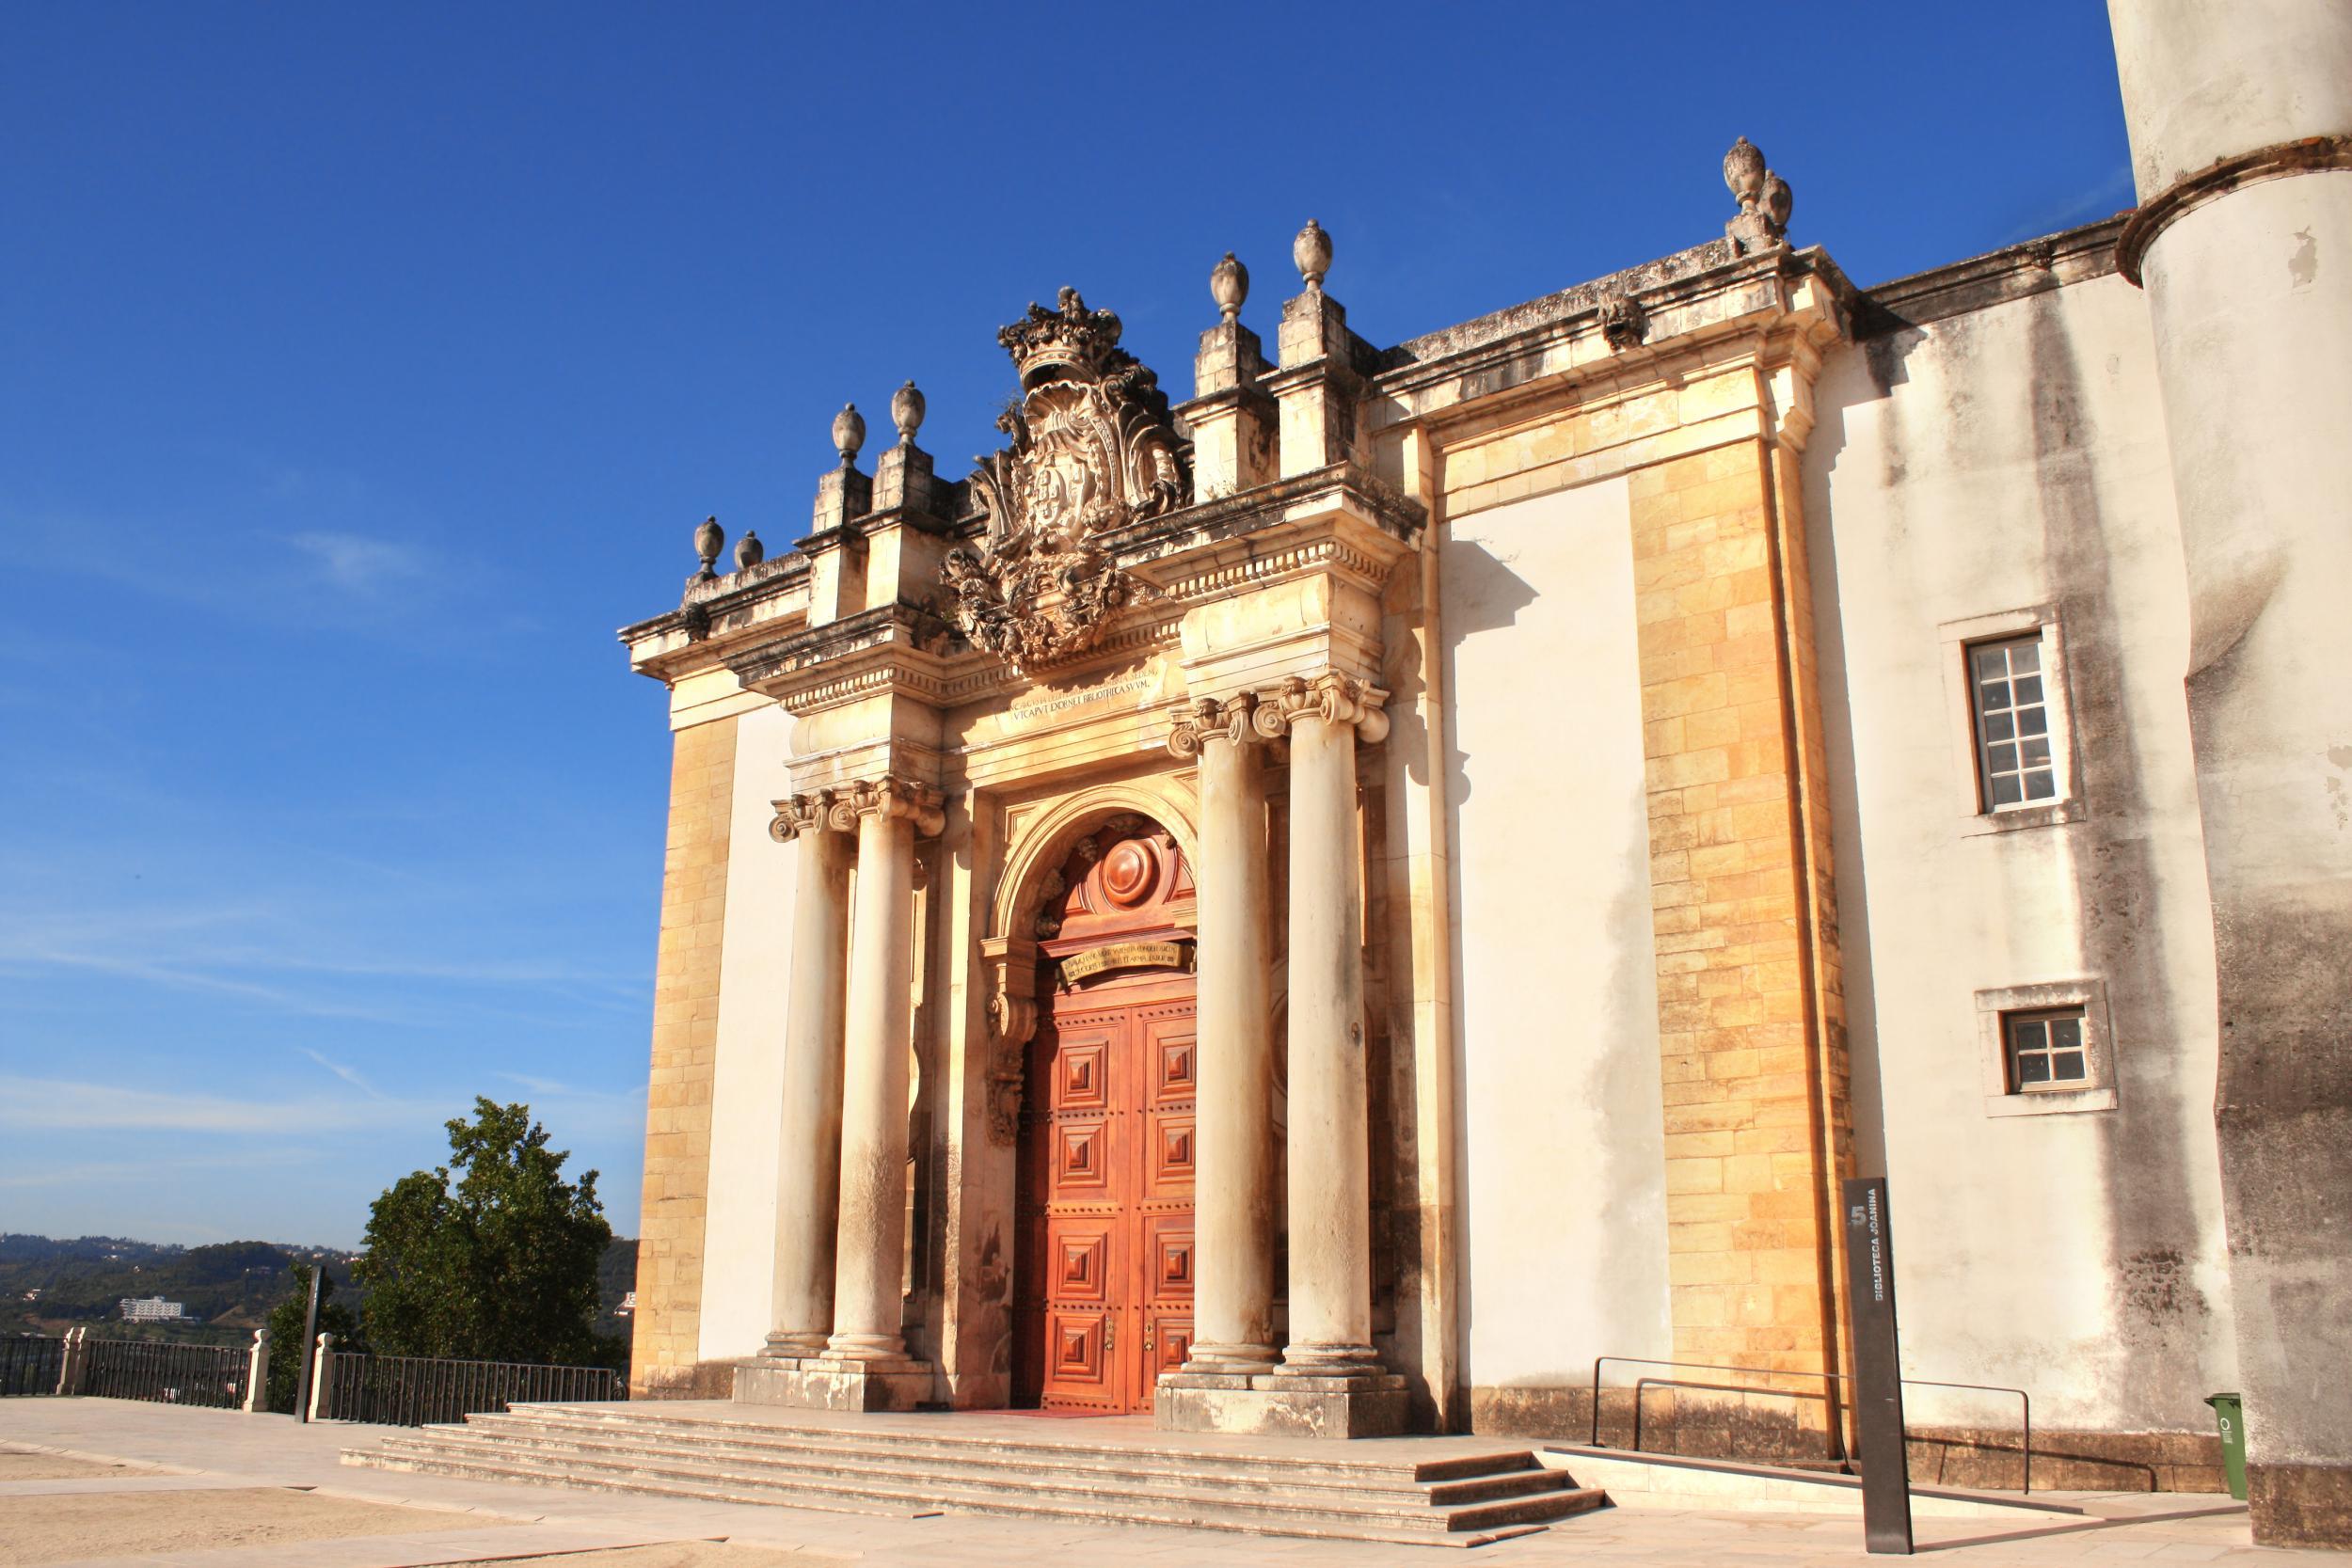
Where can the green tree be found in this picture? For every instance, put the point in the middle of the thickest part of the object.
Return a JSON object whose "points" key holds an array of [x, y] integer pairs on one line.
{"points": [[498, 1265], [286, 1349]]}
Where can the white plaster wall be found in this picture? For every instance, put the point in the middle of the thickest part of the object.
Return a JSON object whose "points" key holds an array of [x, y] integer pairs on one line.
{"points": [[1555, 981], [2011, 457], [740, 1236]]}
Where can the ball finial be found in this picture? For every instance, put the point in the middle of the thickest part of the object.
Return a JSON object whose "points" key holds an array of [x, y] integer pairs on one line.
{"points": [[1229, 285], [906, 412], [849, 434], [1311, 252], [708, 541]]}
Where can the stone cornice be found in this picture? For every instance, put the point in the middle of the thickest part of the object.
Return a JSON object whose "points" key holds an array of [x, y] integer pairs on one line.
{"points": [[2185, 195], [716, 615], [2016, 272], [896, 648], [1276, 531]]}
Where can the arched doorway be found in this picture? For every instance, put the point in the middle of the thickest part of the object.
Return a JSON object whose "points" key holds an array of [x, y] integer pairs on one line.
{"points": [[1103, 1254]]}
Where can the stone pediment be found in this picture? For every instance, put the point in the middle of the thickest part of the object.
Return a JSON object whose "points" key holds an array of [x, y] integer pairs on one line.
{"points": [[1094, 447]]}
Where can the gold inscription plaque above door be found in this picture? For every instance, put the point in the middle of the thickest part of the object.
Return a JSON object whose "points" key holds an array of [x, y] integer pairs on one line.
{"points": [[1125, 955]]}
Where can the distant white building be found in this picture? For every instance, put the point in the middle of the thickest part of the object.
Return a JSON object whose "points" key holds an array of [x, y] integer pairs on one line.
{"points": [[147, 1309]]}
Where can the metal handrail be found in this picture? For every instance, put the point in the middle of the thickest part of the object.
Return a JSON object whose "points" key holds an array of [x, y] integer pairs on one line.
{"points": [[405, 1391], [2024, 1400]]}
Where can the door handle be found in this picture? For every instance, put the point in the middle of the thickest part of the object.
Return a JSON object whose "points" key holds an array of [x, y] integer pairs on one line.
{"points": [[1147, 1335], [1110, 1331]]}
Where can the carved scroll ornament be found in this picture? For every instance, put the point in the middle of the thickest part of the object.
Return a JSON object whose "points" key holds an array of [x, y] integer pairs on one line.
{"points": [[1094, 447]]}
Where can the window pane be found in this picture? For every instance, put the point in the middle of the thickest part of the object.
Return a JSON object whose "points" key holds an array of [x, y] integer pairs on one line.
{"points": [[2035, 752], [2025, 1035], [2066, 1033], [2038, 787], [2001, 759], [2028, 690], [2067, 1065], [2005, 790], [2033, 720], [1994, 694], [1999, 726], [2026, 655], [2033, 1069], [1992, 663]]}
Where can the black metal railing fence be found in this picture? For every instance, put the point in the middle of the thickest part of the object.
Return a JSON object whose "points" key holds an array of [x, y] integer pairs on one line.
{"points": [[213, 1376], [415, 1390], [31, 1364]]}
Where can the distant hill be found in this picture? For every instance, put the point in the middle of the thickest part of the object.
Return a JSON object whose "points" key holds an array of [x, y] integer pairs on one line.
{"points": [[49, 1285]]}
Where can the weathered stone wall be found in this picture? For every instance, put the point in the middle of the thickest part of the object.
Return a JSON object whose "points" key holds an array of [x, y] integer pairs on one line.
{"points": [[666, 1345], [1994, 447]]}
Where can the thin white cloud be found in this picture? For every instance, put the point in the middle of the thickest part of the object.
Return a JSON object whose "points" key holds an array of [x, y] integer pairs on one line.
{"points": [[348, 1075], [55, 1104], [358, 564], [2109, 195]]}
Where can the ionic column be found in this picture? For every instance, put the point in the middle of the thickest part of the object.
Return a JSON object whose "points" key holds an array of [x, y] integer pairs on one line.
{"points": [[1234, 1201], [808, 1173], [1330, 1219], [869, 1268]]}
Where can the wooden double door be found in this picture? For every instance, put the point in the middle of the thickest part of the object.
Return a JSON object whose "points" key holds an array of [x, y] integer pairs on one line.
{"points": [[1103, 1263]]}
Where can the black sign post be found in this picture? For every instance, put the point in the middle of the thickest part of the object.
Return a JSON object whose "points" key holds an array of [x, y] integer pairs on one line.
{"points": [[1878, 1370]]}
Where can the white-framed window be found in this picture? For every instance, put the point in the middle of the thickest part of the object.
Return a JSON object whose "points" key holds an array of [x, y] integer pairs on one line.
{"points": [[2013, 754], [2011, 700], [2046, 1047]]}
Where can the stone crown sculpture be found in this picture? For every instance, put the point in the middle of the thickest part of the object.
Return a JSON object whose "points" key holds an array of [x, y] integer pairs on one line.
{"points": [[1094, 447]]}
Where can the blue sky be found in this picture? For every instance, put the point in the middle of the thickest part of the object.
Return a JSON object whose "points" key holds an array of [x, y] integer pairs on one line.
{"points": [[366, 366]]}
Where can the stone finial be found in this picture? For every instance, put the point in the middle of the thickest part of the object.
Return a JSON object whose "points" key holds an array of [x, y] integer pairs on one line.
{"points": [[1311, 252], [906, 412], [749, 552], [849, 434], [1765, 200], [708, 541], [1229, 285]]}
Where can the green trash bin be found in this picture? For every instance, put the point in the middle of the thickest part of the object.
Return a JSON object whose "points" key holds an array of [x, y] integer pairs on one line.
{"points": [[2230, 1411]]}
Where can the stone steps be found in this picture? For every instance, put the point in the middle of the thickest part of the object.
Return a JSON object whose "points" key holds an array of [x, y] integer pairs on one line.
{"points": [[1455, 1501]]}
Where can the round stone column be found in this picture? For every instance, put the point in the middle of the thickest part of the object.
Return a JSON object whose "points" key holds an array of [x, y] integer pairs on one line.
{"points": [[1234, 1206], [2240, 119], [1330, 1217], [808, 1172], [870, 1268]]}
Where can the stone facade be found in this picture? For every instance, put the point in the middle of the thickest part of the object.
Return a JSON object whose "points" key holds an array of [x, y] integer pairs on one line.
{"points": [[1566, 716]]}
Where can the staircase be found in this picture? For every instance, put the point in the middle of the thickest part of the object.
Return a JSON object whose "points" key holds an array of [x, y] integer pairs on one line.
{"points": [[1435, 1492]]}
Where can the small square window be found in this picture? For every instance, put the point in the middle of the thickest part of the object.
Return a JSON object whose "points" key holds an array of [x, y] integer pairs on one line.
{"points": [[2046, 1051], [2012, 712]]}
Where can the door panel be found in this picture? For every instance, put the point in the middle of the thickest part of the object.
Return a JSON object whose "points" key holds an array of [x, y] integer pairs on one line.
{"points": [[1102, 1302]]}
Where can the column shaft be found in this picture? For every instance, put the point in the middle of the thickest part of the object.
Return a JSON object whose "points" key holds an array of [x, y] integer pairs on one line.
{"points": [[808, 1175], [1330, 1223], [869, 1269], [1233, 1214]]}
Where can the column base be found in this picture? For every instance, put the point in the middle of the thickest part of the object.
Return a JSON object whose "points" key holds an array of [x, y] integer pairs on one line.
{"points": [[1283, 1404], [831, 1383], [794, 1347]]}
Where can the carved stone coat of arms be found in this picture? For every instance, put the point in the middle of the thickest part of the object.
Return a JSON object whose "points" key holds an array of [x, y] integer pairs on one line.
{"points": [[1094, 447]]}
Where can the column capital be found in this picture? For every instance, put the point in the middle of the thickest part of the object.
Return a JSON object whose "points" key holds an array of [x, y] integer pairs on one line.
{"points": [[818, 811], [1330, 696], [1207, 718], [893, 796]]}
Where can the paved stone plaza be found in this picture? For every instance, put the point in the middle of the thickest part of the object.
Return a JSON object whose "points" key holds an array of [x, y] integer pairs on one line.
{"points": [[220, 1462]]}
